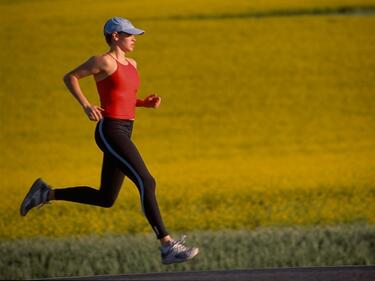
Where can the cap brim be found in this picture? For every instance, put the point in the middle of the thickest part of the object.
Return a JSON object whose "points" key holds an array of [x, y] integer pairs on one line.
{"points": [[135, 31]]}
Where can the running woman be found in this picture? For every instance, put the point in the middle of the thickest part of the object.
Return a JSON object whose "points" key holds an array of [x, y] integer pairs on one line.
{"points": [[117, 82]]}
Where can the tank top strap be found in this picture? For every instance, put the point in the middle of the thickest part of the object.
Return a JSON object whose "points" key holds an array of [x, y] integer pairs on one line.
{"points": [[127, 61], [111, 56]]}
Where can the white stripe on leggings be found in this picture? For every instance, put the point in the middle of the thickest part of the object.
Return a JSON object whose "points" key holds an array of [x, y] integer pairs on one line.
{"points": [[114, 153]]}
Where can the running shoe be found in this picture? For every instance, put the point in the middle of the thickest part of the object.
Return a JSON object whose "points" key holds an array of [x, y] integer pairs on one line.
{"points": [[177, 252], [37, 196]]}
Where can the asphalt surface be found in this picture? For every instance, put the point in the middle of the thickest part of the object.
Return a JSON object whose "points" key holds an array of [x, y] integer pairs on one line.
{"points": [[340, 273]]}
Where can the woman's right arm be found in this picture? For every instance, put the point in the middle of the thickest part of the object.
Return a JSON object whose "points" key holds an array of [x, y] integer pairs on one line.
{"points": [[90, 67]]}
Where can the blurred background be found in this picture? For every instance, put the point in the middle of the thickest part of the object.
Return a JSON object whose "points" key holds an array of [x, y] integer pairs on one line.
{"points": [[263, 148]]}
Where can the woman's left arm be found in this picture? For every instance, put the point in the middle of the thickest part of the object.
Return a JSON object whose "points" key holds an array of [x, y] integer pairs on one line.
{"points": [[152, 100]]}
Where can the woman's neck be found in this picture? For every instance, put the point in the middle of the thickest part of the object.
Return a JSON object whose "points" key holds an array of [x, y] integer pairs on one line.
{"points": [[118, 55]]}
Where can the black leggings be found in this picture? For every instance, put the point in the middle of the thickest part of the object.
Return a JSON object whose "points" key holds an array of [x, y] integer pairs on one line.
{"points": [[121, 158]]}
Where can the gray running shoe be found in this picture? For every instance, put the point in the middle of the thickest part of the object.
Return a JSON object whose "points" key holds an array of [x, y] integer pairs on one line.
{"points": [[177, 252], [37, 196]]}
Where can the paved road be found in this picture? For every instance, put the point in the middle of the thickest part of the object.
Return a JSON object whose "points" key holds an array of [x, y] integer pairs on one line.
{"points": [[341, 273]]}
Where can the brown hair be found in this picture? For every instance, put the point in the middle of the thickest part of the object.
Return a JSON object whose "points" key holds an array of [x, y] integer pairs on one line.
{"points": [[108, 38]]}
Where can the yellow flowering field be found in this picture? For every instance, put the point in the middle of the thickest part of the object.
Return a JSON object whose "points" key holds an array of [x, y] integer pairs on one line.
{"points": [[264, 121]]}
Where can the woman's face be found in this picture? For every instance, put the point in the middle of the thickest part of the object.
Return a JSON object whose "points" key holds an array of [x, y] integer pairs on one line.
{"points": [[125, 41]]}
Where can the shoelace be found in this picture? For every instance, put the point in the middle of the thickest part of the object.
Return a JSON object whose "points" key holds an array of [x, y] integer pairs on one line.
{"points": [[179, 245]]}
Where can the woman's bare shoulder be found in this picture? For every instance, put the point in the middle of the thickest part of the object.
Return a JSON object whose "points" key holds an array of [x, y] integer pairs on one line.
{"points": [[103, 59], [101, 62]]}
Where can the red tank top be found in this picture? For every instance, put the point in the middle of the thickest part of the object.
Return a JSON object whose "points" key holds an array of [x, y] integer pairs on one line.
{"points": [[118, 92]]}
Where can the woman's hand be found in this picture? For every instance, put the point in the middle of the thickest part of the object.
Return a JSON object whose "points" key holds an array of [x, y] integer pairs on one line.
{"points": [[94, 112], [152, 101]]}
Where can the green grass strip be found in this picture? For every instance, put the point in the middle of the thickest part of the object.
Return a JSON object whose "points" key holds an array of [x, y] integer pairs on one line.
{"points": [[265, 247]]}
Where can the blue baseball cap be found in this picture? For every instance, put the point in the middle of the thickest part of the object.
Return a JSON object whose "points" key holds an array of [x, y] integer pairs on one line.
{"points": [[117, 24]]}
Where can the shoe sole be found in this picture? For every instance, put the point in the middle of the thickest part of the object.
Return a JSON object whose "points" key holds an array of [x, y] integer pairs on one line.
{"points": [[194, 253], [36, 185]]}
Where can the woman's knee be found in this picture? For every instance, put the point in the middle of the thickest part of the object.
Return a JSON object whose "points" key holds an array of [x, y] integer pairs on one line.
{"points": [[107, 201], [149, 183]]}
